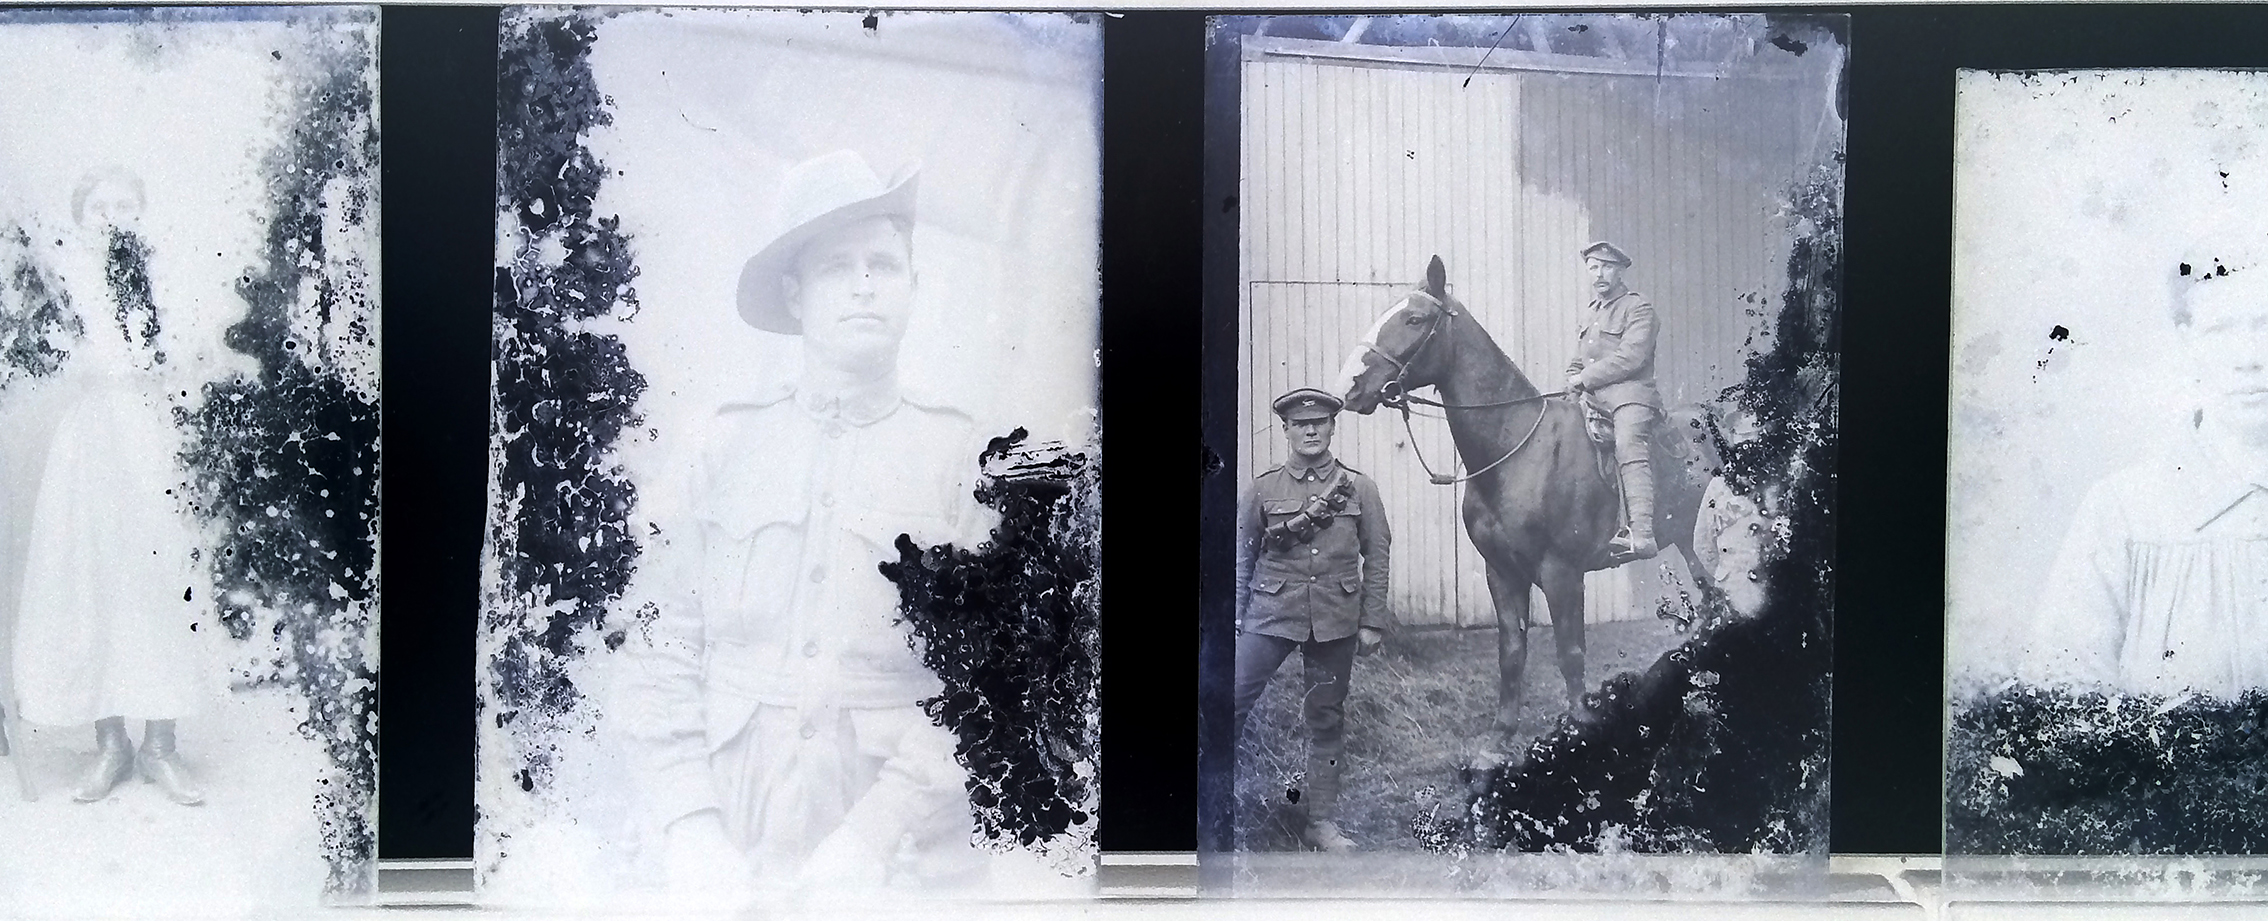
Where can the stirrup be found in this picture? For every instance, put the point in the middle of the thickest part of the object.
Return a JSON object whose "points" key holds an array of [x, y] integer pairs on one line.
{"points": [[1624, 548]]}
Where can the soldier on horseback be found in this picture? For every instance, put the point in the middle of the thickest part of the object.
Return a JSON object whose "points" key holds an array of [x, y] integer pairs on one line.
{"points": [[1613, 370]]}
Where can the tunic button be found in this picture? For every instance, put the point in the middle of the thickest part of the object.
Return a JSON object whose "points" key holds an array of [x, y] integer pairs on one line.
{"points": [[1311, 551], [809, 730], [818, 574]]}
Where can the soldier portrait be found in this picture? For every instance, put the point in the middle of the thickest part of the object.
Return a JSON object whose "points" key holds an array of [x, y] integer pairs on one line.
{"points": [[806, 713], [1313, 557], [1501, 288], [846, 266]]}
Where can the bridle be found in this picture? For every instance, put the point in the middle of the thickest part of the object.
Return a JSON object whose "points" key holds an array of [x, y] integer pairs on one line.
{"points": [[1394, 394]]}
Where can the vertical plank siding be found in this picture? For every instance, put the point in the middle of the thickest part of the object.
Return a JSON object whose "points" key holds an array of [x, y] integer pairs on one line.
{"points": [[1354, 174]]}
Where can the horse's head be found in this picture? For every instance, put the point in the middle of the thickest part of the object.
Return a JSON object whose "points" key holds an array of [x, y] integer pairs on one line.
{"points": [[1402, 351]]}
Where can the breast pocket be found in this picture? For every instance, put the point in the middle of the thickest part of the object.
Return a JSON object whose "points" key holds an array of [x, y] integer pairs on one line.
{"points": [[879, 528], [1280, 509], [751, 541], [744, 505]]}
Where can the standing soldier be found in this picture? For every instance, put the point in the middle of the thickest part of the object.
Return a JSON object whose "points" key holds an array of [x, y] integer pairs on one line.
{"points": [[1311, 558], [1614, 371], [777, 699]]}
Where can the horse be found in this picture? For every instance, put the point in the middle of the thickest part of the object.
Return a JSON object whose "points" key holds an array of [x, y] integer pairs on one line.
{"points": [[1540, 505]]}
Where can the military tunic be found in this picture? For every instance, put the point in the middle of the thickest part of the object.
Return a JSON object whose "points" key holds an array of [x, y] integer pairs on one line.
{"points": [[778, 687], [1326, 588], [1614, 359], [1314, 597]]}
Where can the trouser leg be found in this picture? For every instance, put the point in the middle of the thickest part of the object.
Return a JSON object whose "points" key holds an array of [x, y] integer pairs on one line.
{"points": [[1257, 658], [1328, 667], [1633, 446]]}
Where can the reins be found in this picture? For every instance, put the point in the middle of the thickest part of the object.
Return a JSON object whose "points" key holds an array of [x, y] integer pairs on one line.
{"points": [[1395, 395]]}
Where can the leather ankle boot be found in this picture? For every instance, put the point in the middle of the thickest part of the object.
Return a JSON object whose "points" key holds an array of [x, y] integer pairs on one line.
{"points": [[113, 760], [161, 765]]}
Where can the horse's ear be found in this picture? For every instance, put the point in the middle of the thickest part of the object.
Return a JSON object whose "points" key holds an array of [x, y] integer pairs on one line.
{"points": [[1437, 280]]}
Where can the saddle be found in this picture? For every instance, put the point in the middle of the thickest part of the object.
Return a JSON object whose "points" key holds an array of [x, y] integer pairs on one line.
{"points": [[1676, 449]]}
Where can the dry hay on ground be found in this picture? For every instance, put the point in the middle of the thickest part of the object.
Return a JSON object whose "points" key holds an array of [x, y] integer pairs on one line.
{"points": [[1417, 713]]}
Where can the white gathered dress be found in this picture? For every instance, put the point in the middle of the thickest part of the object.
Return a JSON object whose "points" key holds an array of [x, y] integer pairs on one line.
{"points": [[113, 602], [2162, 583]]}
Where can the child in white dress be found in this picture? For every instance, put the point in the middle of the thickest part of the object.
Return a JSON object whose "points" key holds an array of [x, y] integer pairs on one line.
{"points": [[109, 616], [2162, 582]]}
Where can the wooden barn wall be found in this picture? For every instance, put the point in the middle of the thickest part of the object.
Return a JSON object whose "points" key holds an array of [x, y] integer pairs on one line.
{"points": [[1354, 175]]}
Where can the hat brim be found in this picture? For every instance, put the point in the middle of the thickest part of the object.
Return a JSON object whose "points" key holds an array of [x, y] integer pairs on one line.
{"points": [[762, 303]]}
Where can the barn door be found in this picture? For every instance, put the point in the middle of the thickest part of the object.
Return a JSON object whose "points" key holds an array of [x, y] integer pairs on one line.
{"points": [[1352, 178]]}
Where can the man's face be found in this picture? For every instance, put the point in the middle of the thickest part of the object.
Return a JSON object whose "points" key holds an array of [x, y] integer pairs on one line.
{"points": [[852, 288], [1310, 437], [2227, 346], [110, 203], [1606, 276]]}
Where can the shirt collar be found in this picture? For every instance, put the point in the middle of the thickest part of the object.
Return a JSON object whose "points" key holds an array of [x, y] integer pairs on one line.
{"points": [[2219, 486], [861, 405], [1599, 302], [1318, 471]]}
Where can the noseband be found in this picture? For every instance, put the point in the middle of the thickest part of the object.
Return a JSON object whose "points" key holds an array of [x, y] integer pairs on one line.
{"points": [[1394, 394]]}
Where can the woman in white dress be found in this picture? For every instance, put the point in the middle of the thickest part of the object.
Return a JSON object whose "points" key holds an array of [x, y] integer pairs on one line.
{"points": [[2162, 582], [108, 620]]}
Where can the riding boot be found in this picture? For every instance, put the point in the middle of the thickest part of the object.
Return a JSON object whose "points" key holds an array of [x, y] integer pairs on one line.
{"points": [[114, 759], [161, 765], [1637, 542]]}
